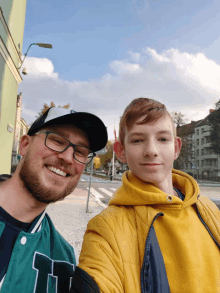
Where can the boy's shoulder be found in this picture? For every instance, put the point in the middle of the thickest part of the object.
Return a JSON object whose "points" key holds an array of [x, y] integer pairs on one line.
{"points": [[121, 216], [208, 206], [210, 215]]}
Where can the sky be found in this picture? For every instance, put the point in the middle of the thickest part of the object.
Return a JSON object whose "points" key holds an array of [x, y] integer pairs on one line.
{"points": [[107, 53]]}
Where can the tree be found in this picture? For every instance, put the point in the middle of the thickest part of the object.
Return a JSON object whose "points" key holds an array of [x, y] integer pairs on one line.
{"points": [[97, 162], [214, 123], [106, 158], [217, 105], [178, 118], [187, 153], [52, 104]]}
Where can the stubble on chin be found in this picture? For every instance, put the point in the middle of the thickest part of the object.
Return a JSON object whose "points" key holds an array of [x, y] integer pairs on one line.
{"points": [[33, 184]]}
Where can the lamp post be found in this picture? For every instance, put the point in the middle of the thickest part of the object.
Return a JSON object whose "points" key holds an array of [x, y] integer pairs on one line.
{"points": [[43, 45]]}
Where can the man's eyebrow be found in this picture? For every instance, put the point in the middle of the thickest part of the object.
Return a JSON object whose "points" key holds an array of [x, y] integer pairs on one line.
{"points": [[63, 134]]}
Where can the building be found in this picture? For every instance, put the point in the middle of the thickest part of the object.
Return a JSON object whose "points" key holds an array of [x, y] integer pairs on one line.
{"points": [[207, 162], [21, 128], [12, 18], [203, 163]]}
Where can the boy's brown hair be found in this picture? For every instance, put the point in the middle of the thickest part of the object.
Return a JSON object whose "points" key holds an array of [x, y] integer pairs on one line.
{"points": [[151, 109]]}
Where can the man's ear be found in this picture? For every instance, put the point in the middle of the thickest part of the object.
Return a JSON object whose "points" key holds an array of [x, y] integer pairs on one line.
{"points": [[178, 145], [24, 144], [120, 152]]}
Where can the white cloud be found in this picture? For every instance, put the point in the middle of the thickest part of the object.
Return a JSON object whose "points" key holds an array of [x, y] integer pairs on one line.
{"points": [[156, 56], [40, 67], [134, 56], [197, 67], [184, 82], [124, 67]]}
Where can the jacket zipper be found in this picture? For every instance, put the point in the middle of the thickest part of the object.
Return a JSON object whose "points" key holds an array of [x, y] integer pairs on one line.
{"points": [[201, 219], [161, 214], [142, 285]]}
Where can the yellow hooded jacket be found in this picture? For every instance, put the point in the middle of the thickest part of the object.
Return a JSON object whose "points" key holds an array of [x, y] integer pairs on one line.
{"points": [[119, 241]]}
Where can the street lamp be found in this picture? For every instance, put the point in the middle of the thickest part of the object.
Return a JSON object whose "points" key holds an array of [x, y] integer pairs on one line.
{"points": [[43, 45]]}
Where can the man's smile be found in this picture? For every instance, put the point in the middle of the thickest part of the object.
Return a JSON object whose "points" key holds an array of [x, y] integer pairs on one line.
{"points": [[58, 171]]}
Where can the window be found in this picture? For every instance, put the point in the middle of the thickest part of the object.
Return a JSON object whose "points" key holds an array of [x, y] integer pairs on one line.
{"points": [[202, 142], [197, 131], [202, 130], [197, 142], [186, 165], [197, 153], [197, 164], [202, 163], [202, 152]]}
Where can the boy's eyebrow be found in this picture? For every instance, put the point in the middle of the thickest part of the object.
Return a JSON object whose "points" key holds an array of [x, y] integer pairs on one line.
{"points": [[142, 133], [164, 131]]}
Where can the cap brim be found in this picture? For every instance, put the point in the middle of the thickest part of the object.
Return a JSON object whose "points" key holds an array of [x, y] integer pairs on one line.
{"points": [[89, 123]]}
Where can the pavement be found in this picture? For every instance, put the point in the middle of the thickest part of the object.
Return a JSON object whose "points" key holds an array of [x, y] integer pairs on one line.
{"points": [[70, 217]]}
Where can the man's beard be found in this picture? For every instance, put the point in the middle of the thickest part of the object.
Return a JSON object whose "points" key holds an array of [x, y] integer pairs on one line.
{"points": [[34, 186]]}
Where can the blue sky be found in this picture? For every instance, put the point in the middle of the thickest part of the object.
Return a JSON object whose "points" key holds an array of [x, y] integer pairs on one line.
{"points": [[94, 47]]}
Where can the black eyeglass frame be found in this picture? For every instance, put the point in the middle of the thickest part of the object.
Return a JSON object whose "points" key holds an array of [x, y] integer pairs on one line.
{"points": [[69, 145]]}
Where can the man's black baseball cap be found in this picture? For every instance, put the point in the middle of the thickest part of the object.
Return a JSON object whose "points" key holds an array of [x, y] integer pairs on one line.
{"points": [[89, 123]]}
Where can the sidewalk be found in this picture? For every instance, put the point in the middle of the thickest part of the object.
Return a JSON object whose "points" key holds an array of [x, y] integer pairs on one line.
{"points": [[70, 218]]}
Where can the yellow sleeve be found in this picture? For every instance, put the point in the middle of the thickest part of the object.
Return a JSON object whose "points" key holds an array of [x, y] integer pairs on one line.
{"points": [[100, 256]]}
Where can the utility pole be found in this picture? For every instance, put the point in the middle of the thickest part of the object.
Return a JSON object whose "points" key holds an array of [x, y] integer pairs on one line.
{"points": [[113, 160], [90, 179]]}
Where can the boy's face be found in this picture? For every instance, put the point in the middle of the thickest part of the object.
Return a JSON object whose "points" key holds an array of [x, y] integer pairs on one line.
{"points": [[150, 150]]}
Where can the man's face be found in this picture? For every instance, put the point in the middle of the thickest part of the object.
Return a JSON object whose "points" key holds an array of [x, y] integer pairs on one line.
{"points": [[150, 150], [44, 184]]}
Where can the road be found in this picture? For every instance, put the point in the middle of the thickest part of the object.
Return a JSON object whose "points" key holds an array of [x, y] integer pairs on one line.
{"points": [[102, 190]]}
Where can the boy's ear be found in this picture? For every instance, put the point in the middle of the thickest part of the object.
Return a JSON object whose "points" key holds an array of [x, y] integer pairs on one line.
{"points": [[24, 144], [178, 145], [120, 152]]}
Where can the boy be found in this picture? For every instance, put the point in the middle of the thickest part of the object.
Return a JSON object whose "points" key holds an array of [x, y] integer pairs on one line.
{"points": [[158, 234]]}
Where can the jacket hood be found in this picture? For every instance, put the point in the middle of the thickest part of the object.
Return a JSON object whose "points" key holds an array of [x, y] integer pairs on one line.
{"points": [[136, 192]]}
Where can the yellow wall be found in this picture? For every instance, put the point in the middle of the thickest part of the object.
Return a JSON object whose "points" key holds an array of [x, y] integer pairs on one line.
{"points": [[14, 15], [8, 114]]}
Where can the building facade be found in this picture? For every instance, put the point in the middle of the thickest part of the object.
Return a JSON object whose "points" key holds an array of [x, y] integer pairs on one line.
{"points": [[204, 163], [12, 18], [21, 128]]}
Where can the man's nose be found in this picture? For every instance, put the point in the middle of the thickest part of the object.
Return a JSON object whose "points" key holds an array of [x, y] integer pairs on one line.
{"points": [[67, 155]]}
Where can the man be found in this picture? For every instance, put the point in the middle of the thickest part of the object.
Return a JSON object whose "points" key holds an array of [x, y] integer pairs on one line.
{"points": [[34, 257], [158, 234]]}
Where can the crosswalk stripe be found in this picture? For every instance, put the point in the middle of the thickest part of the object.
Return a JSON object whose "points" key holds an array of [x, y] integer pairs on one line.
{"points": [[97, 196], [106, 191], [95, 193], [114, 189]]}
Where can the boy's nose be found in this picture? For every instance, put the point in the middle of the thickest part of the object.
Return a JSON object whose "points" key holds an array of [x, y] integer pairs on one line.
{"points": [[150, 150]]}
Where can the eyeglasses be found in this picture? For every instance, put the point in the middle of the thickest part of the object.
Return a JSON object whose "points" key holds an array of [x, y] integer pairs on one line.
{"points": [[60, 144]]}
